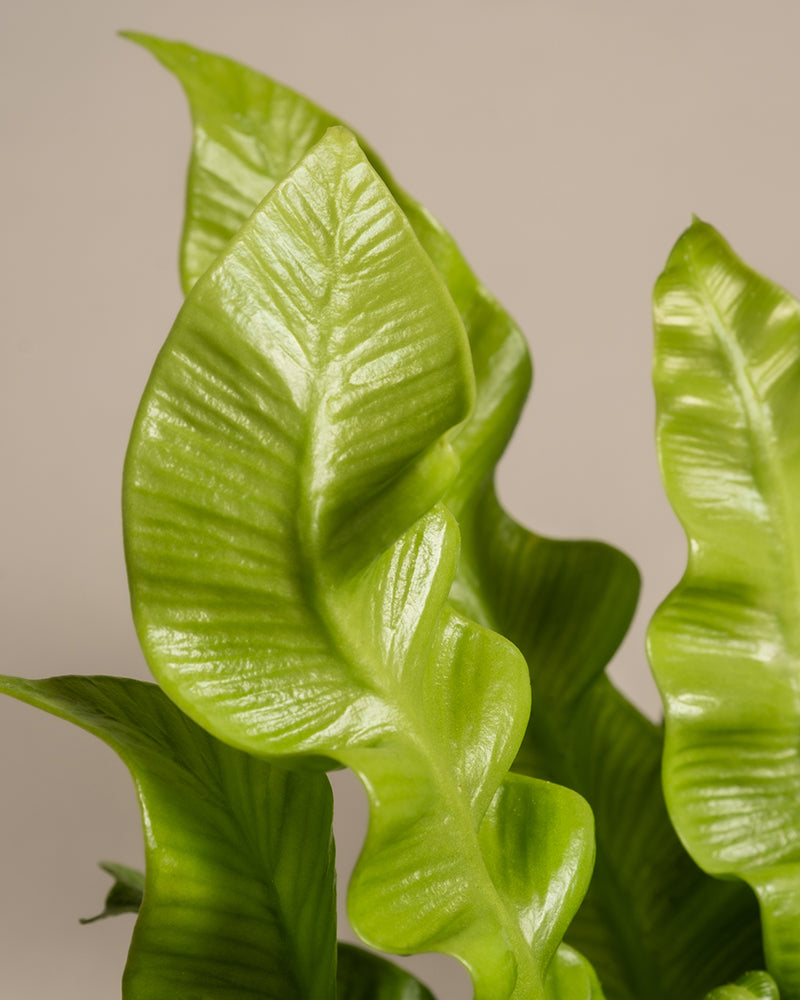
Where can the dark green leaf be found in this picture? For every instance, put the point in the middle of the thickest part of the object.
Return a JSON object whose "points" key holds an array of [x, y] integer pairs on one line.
{"points": [[124, 896], [239, 893], [566, 605], [248, 132]]}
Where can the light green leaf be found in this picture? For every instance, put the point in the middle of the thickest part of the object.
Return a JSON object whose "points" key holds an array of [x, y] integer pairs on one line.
{"points": [[566, 604], [570, 603], [248, 132], [124, 896], [725, 645], [288, 586], [570, 977], [751, 986], [652, 923], [239, 897]]}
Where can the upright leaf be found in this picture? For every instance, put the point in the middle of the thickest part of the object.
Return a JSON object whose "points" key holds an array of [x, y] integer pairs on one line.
{"points": [[248, 132], [725, 645], [569, 603], [652, 923], [362, 975], [239, 898], [290, 568]]}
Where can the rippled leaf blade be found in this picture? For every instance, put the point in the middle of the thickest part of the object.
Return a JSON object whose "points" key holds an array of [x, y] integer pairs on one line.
{"points": [[566, 605], [426, 707], [248, 132], [724, 645], [295, 424]]}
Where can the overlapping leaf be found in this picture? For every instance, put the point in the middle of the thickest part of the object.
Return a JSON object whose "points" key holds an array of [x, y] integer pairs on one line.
{"points": [[652, 923], [124, 896], [239, 899], [566, 604], [248, 131], [725, 645], [289, 594]]}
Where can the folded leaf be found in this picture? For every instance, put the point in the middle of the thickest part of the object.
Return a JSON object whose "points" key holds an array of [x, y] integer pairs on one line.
{"points": [[725, 644], [652, 923], [290, 589], [248, 132], [239, 897]]}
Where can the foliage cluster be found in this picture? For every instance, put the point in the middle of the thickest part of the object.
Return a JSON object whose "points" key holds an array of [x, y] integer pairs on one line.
{"points": [[322, 576]]}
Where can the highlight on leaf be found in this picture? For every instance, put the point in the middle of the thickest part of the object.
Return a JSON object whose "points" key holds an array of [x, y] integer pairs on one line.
{"points": [[322, 575], [276, 483], [724, 644]]}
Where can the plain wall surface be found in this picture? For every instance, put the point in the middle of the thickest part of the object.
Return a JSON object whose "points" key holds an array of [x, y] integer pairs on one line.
{"points": [[564, 144]]}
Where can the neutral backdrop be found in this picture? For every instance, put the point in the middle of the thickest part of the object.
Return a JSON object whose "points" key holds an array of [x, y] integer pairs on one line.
{"points": [[565, 143]]}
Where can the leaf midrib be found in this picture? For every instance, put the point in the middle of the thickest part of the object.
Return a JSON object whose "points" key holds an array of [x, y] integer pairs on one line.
{"points": [[763, 438], [395, 694]]}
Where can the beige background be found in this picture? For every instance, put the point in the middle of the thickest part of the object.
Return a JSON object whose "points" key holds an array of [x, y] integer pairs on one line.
{"points": [[565, 144]]}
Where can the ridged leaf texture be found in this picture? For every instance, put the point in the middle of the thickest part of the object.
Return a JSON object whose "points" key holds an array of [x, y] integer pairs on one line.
{"points": [[239, 895], [725, 645], [248, 131], [290, 566], [565, 604], [652, 923]]}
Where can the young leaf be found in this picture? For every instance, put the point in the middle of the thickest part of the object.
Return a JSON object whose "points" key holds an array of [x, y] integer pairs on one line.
{"points": [[124, 896], [248, 132], [290, 589], [725, 645], [239, 897]]}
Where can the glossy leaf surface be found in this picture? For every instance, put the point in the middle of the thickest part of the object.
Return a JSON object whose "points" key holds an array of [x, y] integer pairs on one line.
{"points": [[239, 898], [248, 131], [725, 644], [289, 588], [569, 604], [566, 605]]}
